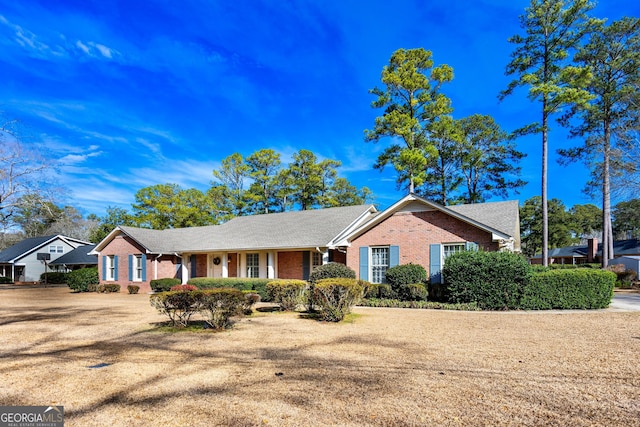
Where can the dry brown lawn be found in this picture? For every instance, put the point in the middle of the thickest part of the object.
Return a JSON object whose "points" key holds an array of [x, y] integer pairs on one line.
{"points": [[385, 367]]}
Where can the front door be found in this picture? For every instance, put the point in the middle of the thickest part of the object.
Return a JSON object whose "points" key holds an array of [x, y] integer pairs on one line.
{"points": [[216, 265]]}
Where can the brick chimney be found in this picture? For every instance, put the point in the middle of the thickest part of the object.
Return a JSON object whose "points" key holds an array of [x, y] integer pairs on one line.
{"points": [[592, 249]]}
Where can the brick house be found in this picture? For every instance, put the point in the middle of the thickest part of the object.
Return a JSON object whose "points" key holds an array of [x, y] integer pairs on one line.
{"points": [[289, 245]]}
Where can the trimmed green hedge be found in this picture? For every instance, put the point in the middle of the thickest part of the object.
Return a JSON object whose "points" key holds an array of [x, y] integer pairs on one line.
{"points": [[241, 283], [164, 284], [80, 280], [5, 280], [500, 280], [492, 279], [54, 278], [569, 289]]}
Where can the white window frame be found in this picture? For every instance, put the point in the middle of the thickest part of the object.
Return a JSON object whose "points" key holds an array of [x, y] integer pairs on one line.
{"points": [[316, 260], [111, 268], [56, 249], [253, 269], [449, 249], [137, 268], [377, 271]]}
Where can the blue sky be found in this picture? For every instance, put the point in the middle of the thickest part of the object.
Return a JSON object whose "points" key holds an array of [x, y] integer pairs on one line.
{"points": [[127, 94]]}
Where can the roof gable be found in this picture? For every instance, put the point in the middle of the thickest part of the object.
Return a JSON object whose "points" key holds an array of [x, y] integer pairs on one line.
{"points": [[31, 244], [501, 219], [78, 256]]}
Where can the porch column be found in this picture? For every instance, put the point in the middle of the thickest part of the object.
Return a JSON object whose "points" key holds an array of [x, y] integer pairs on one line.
{"points": [[325, 257], [271, 271], [225, 265], [184, 268]]}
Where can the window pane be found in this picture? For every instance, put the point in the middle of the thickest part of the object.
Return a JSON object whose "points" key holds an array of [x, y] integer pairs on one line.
{"points": [[379, 264], [253, 265]]}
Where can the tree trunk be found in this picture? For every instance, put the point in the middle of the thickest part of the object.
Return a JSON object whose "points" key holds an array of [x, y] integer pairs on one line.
{"points": [[545, 206], [607, 238]]}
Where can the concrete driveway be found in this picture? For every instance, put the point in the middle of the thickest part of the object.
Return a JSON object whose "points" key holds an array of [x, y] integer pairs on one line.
{"points": [[625, 301]]}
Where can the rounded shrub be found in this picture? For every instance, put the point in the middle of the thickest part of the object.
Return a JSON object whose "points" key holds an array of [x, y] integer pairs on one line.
{"points": [[405, 274], [413, 292], [108, 288], [164, 284], [378, 290], [286, 293], [133, 289], [336, 297], [82, 280], [495, 280], [5, 280], [178, 306], [219, 305], [54, 278], [331, 270]]}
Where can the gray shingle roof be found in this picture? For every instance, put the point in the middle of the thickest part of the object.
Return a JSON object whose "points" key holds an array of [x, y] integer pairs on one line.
{"points": [[23, 247], [78, 256], [502, 216], [299, 229]]}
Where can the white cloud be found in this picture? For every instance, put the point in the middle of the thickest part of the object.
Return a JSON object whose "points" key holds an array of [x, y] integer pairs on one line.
{"points": [[96, 50]]}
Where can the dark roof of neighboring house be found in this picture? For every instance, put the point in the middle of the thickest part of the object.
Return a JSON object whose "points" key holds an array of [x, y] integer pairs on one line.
{"points": [[620, 247], [296, 229], [78, 256], [23, 247]]}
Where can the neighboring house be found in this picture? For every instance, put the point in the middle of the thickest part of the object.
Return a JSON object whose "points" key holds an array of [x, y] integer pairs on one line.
{"points": [[76, 259], [630, 262], [589, 253], [290, 245], [22, 262]]}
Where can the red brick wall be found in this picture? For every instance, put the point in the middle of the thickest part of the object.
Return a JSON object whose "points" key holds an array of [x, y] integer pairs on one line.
{"points": [[413, 232], [337, 256], [123, 246], [167, 267], [290, 265]]}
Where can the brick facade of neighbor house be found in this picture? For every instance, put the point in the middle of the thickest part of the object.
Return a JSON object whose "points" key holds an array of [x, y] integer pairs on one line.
{"points": [[122, 246], [338, 256], [290, 265], [414, 232]]}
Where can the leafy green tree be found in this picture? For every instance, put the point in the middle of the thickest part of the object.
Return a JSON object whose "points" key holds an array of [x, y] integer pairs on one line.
{"points": [[114, 217], [586, 221], [232, 173], [488, 160], [411, 100], [308, 178], [443, 176], [626, 224], [531, 225], [613, 56], [263, 170], [342, 193], [541, 61], [169, 206]]}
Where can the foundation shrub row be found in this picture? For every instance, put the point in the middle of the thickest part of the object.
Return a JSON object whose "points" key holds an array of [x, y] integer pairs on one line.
{"points": [[501, 281]]}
